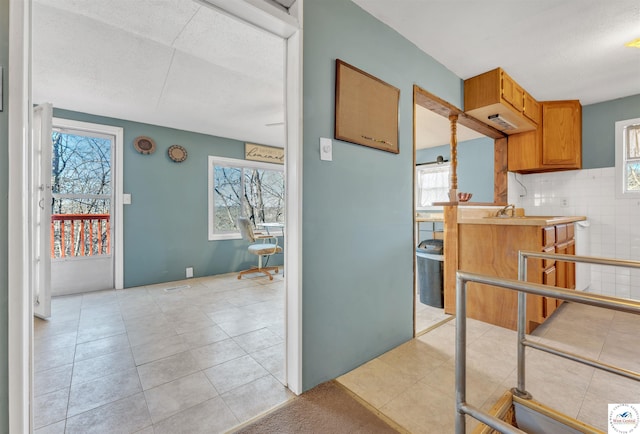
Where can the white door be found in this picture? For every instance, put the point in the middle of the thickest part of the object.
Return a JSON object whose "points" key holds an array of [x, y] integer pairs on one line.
{"points": [[40, 209], [82, 239]]}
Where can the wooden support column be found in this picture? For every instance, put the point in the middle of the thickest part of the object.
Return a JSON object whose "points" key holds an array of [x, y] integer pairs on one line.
{"points": [[453, 185]]}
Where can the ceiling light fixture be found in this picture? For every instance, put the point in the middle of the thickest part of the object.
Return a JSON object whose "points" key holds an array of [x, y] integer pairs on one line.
{"points": [[635, 43]]}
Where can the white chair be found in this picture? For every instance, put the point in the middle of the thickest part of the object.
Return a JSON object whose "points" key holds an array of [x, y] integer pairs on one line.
{"points": [[261, 249]]}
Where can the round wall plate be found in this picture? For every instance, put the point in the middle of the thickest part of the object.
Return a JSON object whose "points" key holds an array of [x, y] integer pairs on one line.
{"points": [[145, 145], [177, 153]]}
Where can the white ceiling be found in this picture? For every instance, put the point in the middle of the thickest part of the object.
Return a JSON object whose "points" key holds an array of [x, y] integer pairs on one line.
{"points": [[174, 63], [180, 64]]}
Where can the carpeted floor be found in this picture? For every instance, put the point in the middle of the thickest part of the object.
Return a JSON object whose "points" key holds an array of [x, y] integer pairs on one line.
{"points": [[327, 408]]}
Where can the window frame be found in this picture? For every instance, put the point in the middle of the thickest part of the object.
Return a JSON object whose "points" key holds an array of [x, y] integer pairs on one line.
{"points": [[214, 161], [621, 159]]}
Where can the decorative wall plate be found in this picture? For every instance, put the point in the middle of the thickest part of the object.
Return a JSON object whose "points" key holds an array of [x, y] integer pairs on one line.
{"points": [[144, 145], [177, 153]]}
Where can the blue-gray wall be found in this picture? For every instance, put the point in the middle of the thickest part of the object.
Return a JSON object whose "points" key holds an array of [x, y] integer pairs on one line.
{"points": [[4, 169], [475, 166], [357, 297], [165, 227], [598, 129]]}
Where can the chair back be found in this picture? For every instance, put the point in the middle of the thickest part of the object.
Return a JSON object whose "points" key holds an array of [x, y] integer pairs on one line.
{"points": [[245, 229]]}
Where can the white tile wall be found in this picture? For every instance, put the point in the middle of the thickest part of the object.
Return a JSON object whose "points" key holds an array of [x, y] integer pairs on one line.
{"points": [[615, 223]]}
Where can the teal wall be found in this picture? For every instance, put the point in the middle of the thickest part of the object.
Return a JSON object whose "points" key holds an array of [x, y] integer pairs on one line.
{"points": [[475, 166], [598, 129], [4, 169], [165, 227], [357, 292]]}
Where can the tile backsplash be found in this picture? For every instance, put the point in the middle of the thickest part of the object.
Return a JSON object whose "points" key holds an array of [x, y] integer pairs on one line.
{"points": [[614, 224]]}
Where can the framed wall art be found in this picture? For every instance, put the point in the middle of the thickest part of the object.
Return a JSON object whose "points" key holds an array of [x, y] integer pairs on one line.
{"points": [[366, 111]]}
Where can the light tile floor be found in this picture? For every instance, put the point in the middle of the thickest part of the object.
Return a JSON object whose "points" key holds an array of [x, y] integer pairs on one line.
{"points": [[428, 316], [414, 386], [200, 355]]}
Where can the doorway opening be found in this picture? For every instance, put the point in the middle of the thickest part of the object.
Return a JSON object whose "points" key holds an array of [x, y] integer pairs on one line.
{"points": [[437, 125], [83, 211]]}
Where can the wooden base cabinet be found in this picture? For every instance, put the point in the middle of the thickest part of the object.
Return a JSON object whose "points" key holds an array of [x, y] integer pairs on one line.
{"points": [[493, 250], [555, 145]]}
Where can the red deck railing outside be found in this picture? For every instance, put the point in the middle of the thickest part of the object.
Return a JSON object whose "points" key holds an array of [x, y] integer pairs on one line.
{"points": [[80, 235]]}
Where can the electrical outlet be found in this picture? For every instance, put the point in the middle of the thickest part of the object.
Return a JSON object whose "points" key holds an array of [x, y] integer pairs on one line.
{"points": [[564, 202], [189, 272]]}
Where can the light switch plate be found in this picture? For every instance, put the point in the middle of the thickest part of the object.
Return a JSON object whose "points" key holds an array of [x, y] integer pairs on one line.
{"points": [[326, 146], [126, 199]]}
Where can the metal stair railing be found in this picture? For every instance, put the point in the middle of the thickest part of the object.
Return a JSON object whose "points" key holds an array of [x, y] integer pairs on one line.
{"points": [[523, 288]]}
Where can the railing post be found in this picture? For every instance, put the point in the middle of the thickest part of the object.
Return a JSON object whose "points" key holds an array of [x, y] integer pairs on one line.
{"points": [[461, 354], [520, 390]]}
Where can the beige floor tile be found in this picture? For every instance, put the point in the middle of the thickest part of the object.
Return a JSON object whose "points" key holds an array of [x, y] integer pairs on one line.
{"points": [[127, 415], [212, 416], [100, 331], [170, 398], [272, 359], [216, 353], [52, 379], [51, 343], [204, 336], [422, 410], [91, 369], [53, 358], [110, 388], [257, 340], [377, 382], [168, 369], [50, 408], [101, 347], [256, 397], [54, 428], [158, 349], [235, 373], [414, 359]]}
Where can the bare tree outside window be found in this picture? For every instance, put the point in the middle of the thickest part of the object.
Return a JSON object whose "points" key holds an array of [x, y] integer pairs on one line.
{"points": [[257, 194], [81, 189]]}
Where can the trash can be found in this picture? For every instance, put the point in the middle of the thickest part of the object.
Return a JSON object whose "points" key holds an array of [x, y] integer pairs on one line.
{"points": [[430, 264]]}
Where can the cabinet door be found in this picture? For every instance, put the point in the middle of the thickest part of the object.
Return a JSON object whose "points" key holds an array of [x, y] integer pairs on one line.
{"points": [[571, 266], [523, 151], [511, 92], [562, 134], [531, 108], [548, 304], [561, 267]]}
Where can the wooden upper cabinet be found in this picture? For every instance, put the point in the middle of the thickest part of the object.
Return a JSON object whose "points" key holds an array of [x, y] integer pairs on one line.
{"points": [[495, 93], [555, 145], [562, 134], [532, 108]]}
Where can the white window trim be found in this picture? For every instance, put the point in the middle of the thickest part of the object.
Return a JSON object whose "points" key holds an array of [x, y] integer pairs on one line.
{"points": [[228, 162], [620, 153]]}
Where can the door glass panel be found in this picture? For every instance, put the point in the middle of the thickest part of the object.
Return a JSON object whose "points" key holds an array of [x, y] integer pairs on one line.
{"points": [[81, 185]]}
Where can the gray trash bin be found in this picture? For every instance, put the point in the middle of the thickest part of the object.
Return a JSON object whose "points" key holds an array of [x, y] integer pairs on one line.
{"points": [[430, 264]]}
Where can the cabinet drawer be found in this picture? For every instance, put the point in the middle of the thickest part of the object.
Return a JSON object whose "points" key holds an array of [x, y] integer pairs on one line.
{"points": [[548, 236], [561, 233], [546, 263], [570, 231], [549, 276]]}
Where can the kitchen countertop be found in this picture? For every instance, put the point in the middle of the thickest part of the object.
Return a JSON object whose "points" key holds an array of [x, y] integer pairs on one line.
{"points": [[521, 220]]}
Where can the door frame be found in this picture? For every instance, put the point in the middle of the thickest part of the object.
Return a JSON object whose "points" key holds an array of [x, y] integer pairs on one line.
{"points": [[20, 308], [118, 191]]}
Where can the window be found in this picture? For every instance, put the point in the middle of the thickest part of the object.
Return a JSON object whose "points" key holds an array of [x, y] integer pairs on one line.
{"points": [[628, 158], [243, 188], [432, 184]]}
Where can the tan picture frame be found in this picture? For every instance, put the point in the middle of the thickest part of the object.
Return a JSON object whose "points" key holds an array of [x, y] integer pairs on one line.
{"points": [[366, 109]]}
